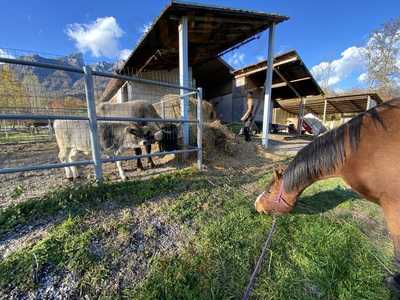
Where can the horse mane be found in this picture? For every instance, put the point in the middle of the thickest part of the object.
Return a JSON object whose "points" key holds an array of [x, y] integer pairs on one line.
{"points": [[325, 153]]}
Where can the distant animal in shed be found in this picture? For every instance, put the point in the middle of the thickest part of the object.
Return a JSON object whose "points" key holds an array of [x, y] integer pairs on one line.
{"points": [[73, 138]]}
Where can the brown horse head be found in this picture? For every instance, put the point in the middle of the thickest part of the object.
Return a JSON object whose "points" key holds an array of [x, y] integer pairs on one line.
{"points": [[275, 199]]}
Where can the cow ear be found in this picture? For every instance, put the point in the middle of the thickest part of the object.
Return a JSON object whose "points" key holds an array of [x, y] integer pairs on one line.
{"points": [[133, 130], [146, 130]]}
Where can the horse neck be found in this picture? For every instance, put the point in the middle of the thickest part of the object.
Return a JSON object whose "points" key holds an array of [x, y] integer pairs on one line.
{"points": [[293, 194]]}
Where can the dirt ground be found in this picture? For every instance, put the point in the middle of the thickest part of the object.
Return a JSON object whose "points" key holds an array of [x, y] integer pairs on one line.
{"points": [[18, 187]]}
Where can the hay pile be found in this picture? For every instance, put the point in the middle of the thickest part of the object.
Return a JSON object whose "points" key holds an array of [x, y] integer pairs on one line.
{"points": [[220, 143]]}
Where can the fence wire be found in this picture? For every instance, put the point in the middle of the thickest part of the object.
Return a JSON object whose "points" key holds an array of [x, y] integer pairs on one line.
{"points": [[45, 122]]}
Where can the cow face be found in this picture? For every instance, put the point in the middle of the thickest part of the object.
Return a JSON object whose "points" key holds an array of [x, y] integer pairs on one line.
{"points": [[137, 135], [167, 137]]}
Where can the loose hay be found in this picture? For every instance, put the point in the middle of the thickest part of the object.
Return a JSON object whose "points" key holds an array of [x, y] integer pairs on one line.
{"points": [[221, 147]]}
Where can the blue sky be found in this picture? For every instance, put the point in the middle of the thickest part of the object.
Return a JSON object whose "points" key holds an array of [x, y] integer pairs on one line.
{"points": [[321, 31]]}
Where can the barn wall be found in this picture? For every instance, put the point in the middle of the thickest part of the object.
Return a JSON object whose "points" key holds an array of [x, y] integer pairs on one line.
{"points": [[223, 107], [281, 116], [132, 91]]}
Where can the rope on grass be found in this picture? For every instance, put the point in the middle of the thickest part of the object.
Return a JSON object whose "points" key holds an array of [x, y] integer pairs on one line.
{"points": [[267, 243]]}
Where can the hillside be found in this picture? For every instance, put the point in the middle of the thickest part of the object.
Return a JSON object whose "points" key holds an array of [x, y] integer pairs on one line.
{"points": [[61, 82]]}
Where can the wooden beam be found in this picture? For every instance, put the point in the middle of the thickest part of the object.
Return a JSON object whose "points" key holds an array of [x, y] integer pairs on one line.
{"points": [[356, 105], [334, 106], [300, 79], [283, 84], [264, 67], [288, 83]]}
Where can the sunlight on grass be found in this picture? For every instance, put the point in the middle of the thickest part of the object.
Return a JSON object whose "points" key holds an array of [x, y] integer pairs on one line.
{"points": [[318, 252]]}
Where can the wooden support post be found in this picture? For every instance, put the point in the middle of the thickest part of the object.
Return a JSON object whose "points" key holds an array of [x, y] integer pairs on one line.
{"points": [[301, 116], [268, 87]]}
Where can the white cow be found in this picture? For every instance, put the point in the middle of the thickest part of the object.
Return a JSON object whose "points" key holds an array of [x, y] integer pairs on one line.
{"points": [[73, 138]]}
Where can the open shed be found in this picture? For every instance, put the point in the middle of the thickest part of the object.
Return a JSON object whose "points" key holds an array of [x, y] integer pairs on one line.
{"points": [[291, 79], [345, 104], [183, 38]]}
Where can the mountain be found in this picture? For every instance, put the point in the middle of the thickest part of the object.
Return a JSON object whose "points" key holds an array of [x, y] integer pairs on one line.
{"points": [[62, 83]]}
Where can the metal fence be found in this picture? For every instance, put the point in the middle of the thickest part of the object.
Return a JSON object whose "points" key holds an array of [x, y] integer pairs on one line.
{"points": [[16, 118]]}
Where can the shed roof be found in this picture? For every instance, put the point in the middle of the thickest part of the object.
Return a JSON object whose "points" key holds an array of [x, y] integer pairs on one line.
{"points": [[291, 77], [212, 30], [345, 103]]}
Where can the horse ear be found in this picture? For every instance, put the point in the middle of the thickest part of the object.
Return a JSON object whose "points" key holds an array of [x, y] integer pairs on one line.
{"points": [[278, 171], [277, 174]]}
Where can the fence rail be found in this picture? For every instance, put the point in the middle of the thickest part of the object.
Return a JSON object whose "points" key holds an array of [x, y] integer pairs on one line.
{"points": [[50, 114]]}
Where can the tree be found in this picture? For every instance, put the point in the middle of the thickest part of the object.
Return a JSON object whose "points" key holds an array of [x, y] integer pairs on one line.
{"points": [[383, 59], [12, 94], [324, 74], [35, 92]]}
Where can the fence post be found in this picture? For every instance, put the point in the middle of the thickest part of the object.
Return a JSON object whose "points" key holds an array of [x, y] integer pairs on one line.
{"points": [[91, 108], [200, 128]]}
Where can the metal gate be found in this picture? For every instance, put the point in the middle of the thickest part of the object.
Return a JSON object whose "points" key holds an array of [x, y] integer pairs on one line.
{"points": [[89, 114]]}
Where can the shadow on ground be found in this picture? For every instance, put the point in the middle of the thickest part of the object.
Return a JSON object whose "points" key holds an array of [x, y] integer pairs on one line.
{"points": [[324, 201]]}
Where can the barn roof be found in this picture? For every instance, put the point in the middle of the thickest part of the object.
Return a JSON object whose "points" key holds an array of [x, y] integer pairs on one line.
{"points": [[201, 73], [291, 77], [345, 103], [212, 30]]}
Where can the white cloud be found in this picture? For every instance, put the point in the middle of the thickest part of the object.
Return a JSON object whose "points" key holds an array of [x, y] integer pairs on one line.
{"points": [[145, 28], [331, 73], [236, 60], [124, 54], [363, 78], [260, 58], [5, 54], [100, 38]]}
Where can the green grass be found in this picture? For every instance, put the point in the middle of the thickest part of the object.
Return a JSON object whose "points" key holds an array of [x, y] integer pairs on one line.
{"points": [[79, 199], [312, 256], [66, 248], [22, 137], [316, 253]]}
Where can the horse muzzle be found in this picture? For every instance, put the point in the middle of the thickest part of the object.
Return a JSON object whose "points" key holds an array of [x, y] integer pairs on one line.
{"points": [[258, 203]]}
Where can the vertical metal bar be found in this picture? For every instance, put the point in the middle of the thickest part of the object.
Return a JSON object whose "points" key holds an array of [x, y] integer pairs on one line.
{"points": [[268, 87], [184, 74], [325, 107], [369, 102], [200, 128], [130, 91], [91, 107]]}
